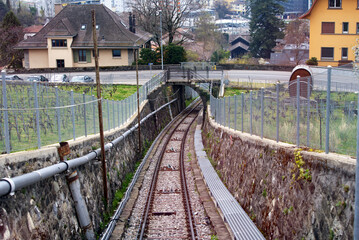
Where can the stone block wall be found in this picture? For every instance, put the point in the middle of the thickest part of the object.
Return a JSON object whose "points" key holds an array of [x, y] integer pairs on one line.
{"points": [[289, 193], [46, 210]]}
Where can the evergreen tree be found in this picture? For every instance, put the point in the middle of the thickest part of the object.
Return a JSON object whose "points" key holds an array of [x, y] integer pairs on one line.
{"points": [[3, 10], [10, 20], [174, 54], [265, 26]]}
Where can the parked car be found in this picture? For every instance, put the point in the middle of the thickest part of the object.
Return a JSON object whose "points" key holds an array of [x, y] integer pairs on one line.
{"points": [[81, 79], [13, 77], [59, 78], [38, 78]]}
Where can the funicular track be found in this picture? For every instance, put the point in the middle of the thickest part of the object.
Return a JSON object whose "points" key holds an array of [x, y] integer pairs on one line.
{"points": [[168, 203]]}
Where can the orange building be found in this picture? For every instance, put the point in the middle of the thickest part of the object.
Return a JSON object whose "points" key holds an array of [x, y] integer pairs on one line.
{"points": [[334, 29]]}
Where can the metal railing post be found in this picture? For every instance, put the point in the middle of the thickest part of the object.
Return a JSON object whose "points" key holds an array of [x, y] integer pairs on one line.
{"points": [[242, 109], [123, 112], [262, 111], [298, 110], [37, 116], [85, 115], [113, 114], [58, 116], [235, 112], [356, 208], [73, 114], [250, 112], [308, 110], [277, 113], [229, 112], [108, 115], [6, 113], [328, 111], [118, 114], [94, 114], [224, 112]]}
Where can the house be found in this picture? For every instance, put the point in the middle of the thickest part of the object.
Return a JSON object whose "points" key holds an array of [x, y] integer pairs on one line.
{"points": [[67, 40], [289, 54], [334, 28], [239, 45]]}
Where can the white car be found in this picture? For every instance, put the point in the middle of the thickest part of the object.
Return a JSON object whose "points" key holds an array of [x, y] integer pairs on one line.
{"points": [[59, 78], [82, 79]]}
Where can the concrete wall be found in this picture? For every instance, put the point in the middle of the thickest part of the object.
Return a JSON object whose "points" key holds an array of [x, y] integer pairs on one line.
{"points": [[288, 193], [38, 58], [105, 59], [55, 53], [46, 210]]}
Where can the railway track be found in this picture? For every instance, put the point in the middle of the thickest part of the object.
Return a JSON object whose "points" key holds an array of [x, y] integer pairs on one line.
{"points": [[167, 212]]}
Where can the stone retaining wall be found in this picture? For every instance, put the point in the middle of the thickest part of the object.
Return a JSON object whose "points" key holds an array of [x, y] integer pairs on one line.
{"points": [[289, 193], [46, 209]]}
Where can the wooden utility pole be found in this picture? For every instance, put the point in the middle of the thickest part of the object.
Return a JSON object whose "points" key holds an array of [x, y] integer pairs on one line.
{"points": [[102, 140], [138, 102]]}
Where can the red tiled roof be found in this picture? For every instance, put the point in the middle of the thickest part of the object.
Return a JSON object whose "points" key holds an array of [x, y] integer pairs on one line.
{"points": [[33, 29]]}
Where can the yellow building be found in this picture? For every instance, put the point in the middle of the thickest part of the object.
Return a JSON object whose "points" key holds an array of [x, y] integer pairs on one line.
{"points": [[334, 28], [67, 40]]}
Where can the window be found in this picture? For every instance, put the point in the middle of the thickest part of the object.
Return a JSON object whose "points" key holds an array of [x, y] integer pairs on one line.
{"points": [[60, 63], [83, 27], [327, 53], [357, 28], [82, 55], [116, 53], [328, 27], [335, 3], [59, 42], [345, 27], [344, 53]]}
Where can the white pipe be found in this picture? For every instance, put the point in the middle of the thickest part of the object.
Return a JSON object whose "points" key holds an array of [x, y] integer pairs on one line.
{"points": [[10, 185], [80, 205]]}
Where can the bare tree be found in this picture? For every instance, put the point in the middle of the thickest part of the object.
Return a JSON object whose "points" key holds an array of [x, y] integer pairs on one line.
{"points": [[174, 13], [296, 33], [208, 36]]}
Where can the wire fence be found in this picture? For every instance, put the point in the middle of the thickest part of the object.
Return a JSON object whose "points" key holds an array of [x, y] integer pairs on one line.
{"points": [[34, 114], [305, 112]]}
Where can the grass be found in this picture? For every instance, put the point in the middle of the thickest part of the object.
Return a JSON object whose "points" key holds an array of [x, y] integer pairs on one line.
{"points": [[189, 101], [110, 92], [22, 124]]}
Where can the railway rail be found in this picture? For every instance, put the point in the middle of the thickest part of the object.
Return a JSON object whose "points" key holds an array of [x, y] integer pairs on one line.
{"points": [[167, 213]]}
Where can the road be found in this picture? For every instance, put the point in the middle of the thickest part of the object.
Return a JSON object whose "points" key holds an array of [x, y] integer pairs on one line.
{"points": [[129, 77]]}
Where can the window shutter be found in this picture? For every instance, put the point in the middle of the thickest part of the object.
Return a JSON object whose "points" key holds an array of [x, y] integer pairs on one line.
{"points": [[76, 56], [88, 56], [328, 27]]}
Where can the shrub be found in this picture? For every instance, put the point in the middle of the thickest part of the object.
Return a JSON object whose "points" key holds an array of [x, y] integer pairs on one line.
{"points": [[312, 61]]}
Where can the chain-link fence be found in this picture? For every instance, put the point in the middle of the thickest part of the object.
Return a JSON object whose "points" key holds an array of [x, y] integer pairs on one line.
{"points": [[305, 111], [34, 114]]}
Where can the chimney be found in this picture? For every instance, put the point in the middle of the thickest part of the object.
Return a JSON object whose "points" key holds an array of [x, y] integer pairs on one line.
{"points": [[133, 23], [58, 8], [130, 22]]}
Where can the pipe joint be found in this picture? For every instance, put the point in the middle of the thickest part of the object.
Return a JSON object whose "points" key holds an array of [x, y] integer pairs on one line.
{"points": [[67, 165], [11, 184]]}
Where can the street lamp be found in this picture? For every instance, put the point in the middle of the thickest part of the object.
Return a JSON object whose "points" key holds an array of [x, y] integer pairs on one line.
{"points": [[161, 38]]}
